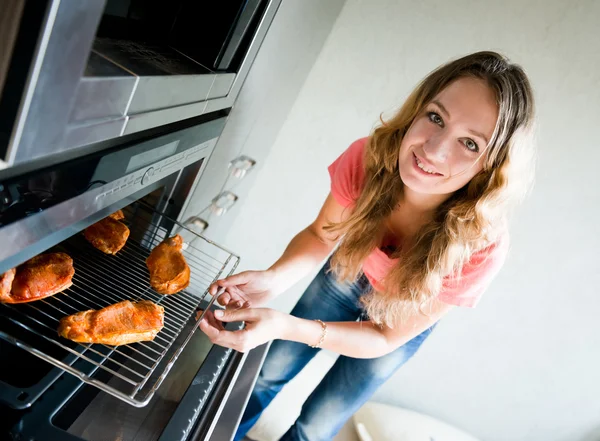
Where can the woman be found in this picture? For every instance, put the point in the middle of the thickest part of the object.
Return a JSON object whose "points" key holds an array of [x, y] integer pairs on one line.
{"points": [[418, 213]]}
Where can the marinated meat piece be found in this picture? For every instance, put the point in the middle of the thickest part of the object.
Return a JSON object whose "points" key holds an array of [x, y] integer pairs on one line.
{"points": [[119, 324], [41, 276], [6, 281], [108, 235], [117, 215], [169, 272]]}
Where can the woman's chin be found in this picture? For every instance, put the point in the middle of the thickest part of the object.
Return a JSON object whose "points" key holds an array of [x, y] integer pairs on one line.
{"points": [[419, 185]]}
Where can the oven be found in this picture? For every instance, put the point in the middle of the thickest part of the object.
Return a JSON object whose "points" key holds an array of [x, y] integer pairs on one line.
{"points": [[170, 388], [78, 72]]}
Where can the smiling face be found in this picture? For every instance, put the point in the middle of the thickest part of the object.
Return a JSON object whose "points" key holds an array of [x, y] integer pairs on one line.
{"points": [[444, 148]]}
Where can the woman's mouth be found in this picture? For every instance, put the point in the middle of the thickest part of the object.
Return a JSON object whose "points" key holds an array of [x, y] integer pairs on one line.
{"points": [[423, 169]]}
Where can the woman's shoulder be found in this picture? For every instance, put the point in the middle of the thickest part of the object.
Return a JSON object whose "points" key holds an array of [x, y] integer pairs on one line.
{"points": [[347, 173], [354, 154], [477, 273], [495, 249], [357, 148]]}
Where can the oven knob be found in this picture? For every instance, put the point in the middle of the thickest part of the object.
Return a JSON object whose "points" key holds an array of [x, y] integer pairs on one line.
{"points": [[148, 176]]}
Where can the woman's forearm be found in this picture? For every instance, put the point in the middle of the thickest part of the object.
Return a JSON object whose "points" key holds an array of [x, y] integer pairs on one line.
{"points": [[352, 339], [305, 251], [361, 339]]}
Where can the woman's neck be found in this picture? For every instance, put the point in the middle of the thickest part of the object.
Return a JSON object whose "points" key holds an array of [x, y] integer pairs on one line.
{"points": [[412, 212], [420, 204]]}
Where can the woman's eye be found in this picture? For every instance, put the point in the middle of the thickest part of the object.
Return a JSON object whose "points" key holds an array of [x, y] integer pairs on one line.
{"points": [[435, 118], [471, 145]]}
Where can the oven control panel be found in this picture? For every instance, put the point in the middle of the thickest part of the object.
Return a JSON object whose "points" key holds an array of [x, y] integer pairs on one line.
{"points": [[139, 179]]}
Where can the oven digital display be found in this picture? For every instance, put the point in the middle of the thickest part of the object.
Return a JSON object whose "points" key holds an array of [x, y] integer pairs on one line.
{"points": [[151, 156]]}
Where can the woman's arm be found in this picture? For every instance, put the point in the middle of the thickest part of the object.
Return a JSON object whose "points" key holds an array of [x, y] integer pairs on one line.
{"points": [[363, 339], [352, 339], [309, 247], [306, 250]]}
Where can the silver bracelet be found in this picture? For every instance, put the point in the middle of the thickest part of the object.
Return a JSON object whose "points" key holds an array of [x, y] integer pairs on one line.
{"points": [[323, 334]]}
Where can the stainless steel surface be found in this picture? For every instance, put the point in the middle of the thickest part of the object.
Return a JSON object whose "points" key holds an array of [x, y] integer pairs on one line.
{"points": [[221, 86], [101, 280], [226, 102], [193, 404], [226, 395], [231, 413], [248, 13], [59, 63], [218, 104], [69, 111], [144, 103], [261, 32], [80, 134], [217, 101], [154, 93], [31, 235], [143, 121], [103, 97], [100, 66]]}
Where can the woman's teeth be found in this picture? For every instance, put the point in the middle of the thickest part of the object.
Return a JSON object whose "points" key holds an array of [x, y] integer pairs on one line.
{"points": [[425, 169]]}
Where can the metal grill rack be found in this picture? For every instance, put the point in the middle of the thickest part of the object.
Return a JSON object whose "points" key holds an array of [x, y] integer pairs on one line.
{"points": [[131, 372]]}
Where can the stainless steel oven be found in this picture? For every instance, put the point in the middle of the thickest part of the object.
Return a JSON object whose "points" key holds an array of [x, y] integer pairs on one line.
{"points": [[109, 104], [168, 389], [77, 72]]}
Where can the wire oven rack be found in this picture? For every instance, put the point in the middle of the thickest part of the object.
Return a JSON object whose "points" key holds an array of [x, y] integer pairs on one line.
{"points": [[131, 372]]}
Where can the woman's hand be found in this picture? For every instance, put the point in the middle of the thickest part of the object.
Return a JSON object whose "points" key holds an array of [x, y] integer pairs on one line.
{"points": [[262, 325], [249, 289]]}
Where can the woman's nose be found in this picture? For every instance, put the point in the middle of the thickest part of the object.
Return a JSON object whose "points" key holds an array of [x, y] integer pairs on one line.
{"points": [[437, 148]]}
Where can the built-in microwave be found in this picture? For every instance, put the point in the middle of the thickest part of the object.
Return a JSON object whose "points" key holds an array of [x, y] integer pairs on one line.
{"points": [[79, 72]]}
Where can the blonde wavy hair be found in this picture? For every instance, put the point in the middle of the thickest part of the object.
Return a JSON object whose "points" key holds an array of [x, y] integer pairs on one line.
{"points": [[470, 220]]}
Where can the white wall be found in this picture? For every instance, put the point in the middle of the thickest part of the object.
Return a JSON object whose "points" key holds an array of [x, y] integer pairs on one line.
{"points": [[524, 365]]}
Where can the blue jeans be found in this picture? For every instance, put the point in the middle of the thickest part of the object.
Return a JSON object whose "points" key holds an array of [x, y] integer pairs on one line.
{"points": [[347, 385]]}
